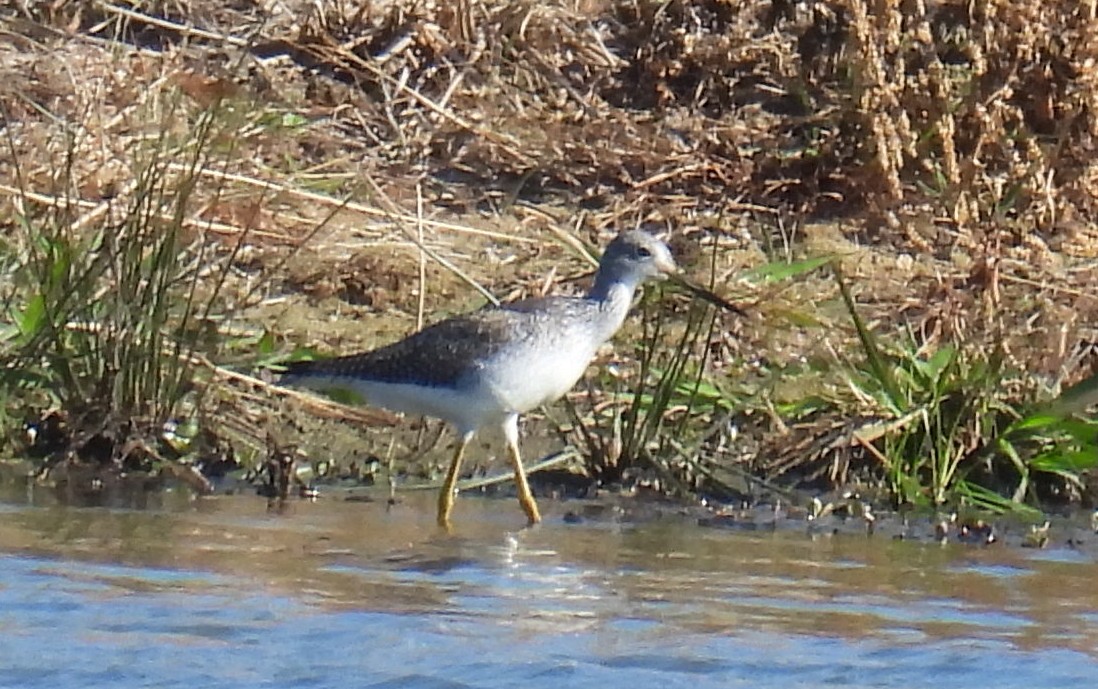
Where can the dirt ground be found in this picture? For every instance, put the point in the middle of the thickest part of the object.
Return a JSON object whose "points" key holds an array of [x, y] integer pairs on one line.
{"points": [[377, 166]]}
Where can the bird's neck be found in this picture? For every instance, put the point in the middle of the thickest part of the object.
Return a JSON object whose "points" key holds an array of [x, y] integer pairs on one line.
{"points": [[614, 296]]}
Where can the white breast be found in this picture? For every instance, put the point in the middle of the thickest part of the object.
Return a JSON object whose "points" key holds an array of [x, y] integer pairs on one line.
{"points": [[521, 379]]}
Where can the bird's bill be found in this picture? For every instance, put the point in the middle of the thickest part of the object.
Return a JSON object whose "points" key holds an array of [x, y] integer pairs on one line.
{"points": [[667, 268], [704, 294]]}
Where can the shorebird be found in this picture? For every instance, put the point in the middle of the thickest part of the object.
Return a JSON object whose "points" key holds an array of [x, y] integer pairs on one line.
{"points": [[488, 367]]}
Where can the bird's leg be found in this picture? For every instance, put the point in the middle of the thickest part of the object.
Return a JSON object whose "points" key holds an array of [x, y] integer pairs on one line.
{"points": [[449, 486], [526, 498]]}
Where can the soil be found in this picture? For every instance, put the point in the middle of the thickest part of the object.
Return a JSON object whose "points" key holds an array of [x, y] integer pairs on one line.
{"points": [[375, 169]]}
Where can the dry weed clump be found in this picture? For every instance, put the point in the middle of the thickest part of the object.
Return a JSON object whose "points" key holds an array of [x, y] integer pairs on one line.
{"points": [[978, 115], [986, 110]]}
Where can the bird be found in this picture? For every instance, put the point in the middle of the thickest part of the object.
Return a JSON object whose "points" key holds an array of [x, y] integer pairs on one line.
{"points": [[488, 367]]}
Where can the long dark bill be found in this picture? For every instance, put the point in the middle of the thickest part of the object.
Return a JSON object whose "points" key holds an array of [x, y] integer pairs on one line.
{"points": [[706, 295]]}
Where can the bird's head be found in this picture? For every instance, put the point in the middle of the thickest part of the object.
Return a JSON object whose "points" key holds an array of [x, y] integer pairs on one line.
{"points": [[636, 256]]}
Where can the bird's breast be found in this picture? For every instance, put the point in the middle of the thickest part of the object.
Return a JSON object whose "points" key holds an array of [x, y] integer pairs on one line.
{"points": [[528, 377]]}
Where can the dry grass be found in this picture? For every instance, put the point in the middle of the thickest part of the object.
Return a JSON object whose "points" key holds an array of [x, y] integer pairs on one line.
{"points": [[963, 114], [390, 159]]}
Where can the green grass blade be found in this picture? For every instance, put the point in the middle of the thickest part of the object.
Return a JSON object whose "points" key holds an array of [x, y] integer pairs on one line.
{"points": [[778, 271], [880, 370], [982, 498], [33, 317], [1077, 398]]}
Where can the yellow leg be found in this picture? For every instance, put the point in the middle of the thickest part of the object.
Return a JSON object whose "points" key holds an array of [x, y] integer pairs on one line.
{"points": [[449, 486], [526, 498]]}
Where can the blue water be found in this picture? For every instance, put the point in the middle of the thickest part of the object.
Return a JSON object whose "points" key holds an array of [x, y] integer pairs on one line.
{"points": [[356, 596]]}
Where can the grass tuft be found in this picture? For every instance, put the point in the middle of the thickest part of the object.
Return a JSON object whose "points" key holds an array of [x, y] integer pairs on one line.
{"points": [[108, 305], [950, 421]]}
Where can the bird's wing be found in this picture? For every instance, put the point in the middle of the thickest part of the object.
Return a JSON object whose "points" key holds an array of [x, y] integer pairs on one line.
{"points": [[438, 356]]}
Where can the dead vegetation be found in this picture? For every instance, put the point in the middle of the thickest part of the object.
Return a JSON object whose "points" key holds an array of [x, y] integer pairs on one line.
{"points": [[383, 160], [976, 112]]}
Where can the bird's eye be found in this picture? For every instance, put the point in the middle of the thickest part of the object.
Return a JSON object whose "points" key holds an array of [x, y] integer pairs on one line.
{"points": [[644, 252]]}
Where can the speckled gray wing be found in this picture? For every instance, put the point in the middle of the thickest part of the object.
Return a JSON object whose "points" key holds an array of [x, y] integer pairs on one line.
{"points": [[437, 356]]}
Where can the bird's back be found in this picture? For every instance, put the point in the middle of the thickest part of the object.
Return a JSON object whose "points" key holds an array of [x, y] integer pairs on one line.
{"points": [[437, 356]]}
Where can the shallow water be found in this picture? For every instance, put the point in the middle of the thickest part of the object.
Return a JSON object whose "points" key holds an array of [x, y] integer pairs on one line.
{"points": [[219, 593]]}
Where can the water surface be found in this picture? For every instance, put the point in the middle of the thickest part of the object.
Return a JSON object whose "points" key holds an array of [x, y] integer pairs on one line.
{"points": [[218, 593]]}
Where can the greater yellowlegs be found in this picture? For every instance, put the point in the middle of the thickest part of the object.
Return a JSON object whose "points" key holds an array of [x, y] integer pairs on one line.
{"points": [[488, 367]]}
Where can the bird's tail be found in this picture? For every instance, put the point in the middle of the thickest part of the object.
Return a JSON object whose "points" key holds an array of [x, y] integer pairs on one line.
{"points": [[293, 370], [314, 374], [332, 377]]}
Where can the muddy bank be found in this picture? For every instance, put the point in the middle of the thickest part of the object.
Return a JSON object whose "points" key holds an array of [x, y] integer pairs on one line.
{"points": [[317, 177]]}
